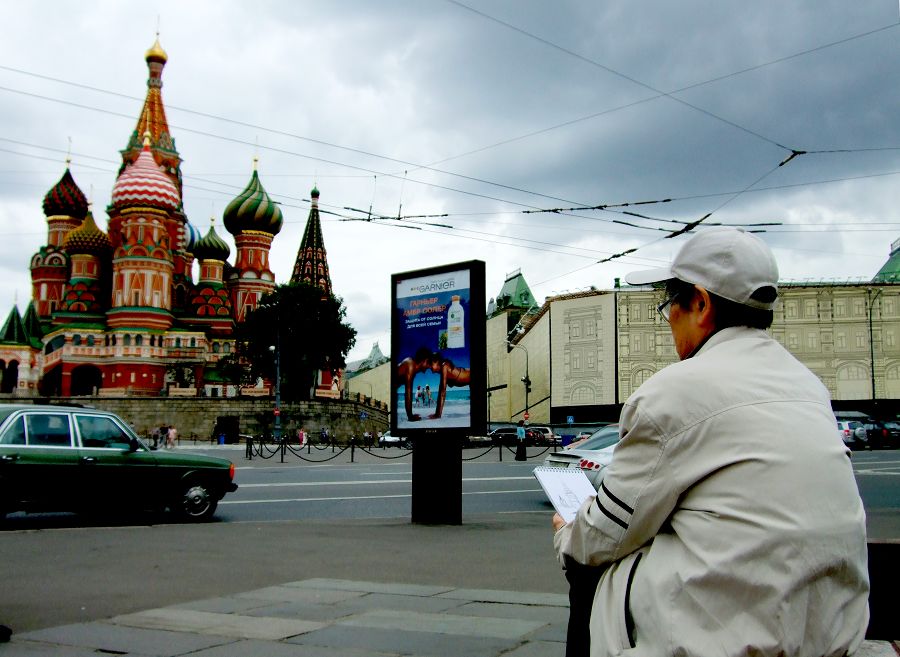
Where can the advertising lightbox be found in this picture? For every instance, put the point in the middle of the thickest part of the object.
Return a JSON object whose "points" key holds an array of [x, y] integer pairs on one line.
{"points": [[438, 351]]}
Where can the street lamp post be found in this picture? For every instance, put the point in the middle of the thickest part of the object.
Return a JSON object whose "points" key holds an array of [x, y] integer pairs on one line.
{"points": [[276, 350], [526, 380], [870, 302]]}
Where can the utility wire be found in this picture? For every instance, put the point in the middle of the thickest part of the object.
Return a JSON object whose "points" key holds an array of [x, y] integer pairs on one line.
{"points": [[633, 80]]}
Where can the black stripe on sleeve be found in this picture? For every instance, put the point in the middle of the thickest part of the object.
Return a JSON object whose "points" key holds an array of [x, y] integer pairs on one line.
{"points": [[609, 515], [616, 499]]}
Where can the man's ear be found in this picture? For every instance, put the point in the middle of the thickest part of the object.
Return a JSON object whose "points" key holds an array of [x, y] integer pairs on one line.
{"points": [[706, 315]]}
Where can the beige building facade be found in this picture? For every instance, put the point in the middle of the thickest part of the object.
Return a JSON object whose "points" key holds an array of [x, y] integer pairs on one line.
{"points": [[587, 352]]}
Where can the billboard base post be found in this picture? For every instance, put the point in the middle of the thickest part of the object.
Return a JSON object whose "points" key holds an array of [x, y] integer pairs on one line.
{"points": [[437, 481]]}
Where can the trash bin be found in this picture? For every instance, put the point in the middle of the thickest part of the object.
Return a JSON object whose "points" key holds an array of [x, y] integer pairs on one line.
{"points": [[221, 438]]}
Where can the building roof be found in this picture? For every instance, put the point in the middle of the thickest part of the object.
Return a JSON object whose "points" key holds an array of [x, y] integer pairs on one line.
{"points": [[515, 294], [65, 198], [311, 264], [890, 271], [253, 209]]}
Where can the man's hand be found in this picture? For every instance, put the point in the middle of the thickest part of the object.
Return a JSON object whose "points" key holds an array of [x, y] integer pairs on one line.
{"points": [[558, 522]]}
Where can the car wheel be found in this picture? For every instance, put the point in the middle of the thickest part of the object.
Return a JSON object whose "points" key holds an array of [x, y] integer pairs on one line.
{"points": [[197, 503]]}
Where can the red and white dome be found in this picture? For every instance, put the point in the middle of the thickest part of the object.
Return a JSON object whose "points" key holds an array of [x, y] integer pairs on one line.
{"points": [[144, 184]]}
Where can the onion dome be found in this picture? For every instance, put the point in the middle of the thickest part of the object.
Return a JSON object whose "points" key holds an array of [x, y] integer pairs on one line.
{"points": [[156, 53], [252, 209], [65, 198], [212, 247], [144, 184], [192, 236], [315, 192], [87, 239]]}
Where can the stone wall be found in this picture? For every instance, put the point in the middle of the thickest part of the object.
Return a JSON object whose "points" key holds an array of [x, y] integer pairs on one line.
{"points": [[197, 417]]}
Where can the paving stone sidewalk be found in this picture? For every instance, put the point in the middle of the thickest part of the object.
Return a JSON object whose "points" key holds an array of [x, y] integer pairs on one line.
{"points": [[331, 618]]}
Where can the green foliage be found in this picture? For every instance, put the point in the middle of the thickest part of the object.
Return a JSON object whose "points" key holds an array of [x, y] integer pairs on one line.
{"points": [[309, 331]]}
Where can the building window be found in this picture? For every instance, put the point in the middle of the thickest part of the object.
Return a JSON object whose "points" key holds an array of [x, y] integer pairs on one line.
{"points": [[226, 347], [178, 343], [887, 305], [812, 341], [576, 361], [651, 312], [860, 339], [215, 347], [809, 308], [76, 340], [790, 310], [840, 308], [126, 341], [193, 342], [90, 340], [793, 341], [575, 330], [590, 360], [589, 327], [636, 343], [888, 338], [636, 311], [859, 307]]}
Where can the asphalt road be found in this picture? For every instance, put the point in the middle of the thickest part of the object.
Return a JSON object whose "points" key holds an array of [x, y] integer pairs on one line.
{"points": [[298, 520]]}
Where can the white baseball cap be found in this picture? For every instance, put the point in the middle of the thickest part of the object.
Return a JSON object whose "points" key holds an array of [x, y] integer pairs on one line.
{"points": [[728, 262]]}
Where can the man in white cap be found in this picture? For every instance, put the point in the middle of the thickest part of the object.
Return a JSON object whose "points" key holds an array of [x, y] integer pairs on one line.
{"points": [[729, 521]]}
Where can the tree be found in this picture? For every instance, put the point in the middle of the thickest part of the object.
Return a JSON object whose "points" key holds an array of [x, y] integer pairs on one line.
{"points": [[307, 328]]}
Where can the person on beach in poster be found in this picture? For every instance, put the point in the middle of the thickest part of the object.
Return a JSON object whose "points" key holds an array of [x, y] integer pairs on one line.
{"points": [[433, 314]]}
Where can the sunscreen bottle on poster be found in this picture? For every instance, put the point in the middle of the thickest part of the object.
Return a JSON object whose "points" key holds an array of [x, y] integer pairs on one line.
{"points": [[456, 338]]}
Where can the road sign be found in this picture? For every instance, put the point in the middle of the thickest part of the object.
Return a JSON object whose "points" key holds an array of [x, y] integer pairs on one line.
{"points": [[277, 411], [363, 415], [526, 416], [570, 419]]}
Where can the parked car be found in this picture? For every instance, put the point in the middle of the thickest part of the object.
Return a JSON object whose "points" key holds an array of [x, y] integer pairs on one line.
{"points": [[387, 439], [508, 436], [592, 456], [877, 434], [543, 435], [65, 458], [852, 433], [478, 441], [893, 432]]}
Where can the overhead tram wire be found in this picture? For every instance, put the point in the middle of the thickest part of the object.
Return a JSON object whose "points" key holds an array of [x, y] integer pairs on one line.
{"points": [[635, 81], [674, 91]]}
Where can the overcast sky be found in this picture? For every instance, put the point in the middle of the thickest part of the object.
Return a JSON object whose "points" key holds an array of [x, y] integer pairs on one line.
{"points": [[480, 111]]}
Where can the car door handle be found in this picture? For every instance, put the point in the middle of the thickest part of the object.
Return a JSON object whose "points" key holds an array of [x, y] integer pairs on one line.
{"points": [[9, 458], [88, 459]]}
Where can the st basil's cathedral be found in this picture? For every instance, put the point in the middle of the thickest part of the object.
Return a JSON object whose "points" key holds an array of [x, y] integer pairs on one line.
{"points": [[118, 313]]}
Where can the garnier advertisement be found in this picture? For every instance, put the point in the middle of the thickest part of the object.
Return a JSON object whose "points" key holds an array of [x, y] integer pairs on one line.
{"points": [[433, 351]]}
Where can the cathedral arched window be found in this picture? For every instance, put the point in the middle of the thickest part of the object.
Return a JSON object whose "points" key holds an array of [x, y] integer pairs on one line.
{"points": [[226, 347], [193, 342], [76, 340], [138, 340], [177, 343], [126, 341], [90, 340], [216, 347]]}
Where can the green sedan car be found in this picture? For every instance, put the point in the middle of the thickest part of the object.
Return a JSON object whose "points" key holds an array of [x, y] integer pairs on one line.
{"points": [[63, 458]]}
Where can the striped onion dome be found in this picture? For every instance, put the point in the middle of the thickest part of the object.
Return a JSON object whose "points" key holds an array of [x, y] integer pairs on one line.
{"points": [[144, 184], [252, 209], [66, 198], [212, 247], [192, 236], [87, 239]]}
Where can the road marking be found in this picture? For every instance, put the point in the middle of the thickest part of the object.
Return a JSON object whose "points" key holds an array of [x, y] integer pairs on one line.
{"points": [[368, 497], [368, 481]]}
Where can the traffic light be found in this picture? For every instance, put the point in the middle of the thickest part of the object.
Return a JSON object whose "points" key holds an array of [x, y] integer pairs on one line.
{"points": [[527, 383]]}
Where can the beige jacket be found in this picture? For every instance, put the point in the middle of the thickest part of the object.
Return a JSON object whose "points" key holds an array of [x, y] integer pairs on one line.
{"points": [[729, 516]]}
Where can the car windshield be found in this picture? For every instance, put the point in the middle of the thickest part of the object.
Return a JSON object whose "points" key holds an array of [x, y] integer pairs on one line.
{"points": [[602, 438]]}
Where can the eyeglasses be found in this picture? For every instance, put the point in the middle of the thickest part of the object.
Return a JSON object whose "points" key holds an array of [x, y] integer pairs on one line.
{"points": [[665, 307]]}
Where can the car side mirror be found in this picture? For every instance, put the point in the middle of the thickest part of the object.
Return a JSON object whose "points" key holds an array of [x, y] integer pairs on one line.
{"points": [[133, 445]]}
